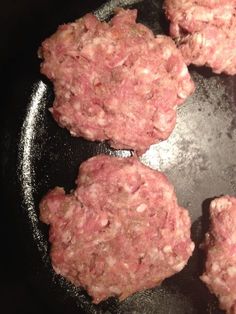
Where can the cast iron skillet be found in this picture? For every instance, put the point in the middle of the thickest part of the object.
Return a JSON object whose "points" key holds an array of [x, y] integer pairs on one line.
{"points": [[199, 158]]}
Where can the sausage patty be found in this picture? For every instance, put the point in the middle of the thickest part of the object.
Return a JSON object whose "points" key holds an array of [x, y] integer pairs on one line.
{"points": [[205, 31], [220, 244], [120, 231], [115, 81]]}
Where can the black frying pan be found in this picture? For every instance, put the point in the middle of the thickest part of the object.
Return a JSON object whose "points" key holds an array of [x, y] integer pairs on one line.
{"points": [[199, 158]]}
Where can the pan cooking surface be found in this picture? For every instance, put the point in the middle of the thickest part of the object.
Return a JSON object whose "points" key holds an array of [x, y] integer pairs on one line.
{"points": [[199, 158]]}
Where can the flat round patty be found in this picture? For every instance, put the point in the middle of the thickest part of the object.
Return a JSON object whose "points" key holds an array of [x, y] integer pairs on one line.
{"points": [[205, 31], [220, 244], [120, 231], [115, 81]]}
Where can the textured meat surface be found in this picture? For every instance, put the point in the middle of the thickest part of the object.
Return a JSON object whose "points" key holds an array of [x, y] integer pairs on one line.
{"points": [[120, 231], [220, 273], [205, 31], [115, 81]]}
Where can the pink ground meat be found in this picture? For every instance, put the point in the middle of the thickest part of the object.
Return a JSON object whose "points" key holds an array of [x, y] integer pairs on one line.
{"points": [[220, 244], [120, 231], [205, 31], [115, 81]]}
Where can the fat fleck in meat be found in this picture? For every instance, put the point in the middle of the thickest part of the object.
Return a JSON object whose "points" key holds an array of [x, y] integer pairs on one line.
{"points": [[115, 81], [220, 244], [120, 231], [205, 31]]}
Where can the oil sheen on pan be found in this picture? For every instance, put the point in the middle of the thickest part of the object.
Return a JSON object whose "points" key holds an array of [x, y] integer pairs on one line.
{"points": [[199, 158]]}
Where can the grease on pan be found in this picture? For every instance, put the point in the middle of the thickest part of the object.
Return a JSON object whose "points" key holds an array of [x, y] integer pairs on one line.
{"points": [[33, 119], [106, 10]]}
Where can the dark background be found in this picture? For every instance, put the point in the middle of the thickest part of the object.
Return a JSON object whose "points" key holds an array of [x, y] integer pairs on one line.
{"points": [[23, 25]]}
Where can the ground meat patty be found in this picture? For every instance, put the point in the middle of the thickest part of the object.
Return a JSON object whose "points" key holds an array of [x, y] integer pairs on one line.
{"points": [[120, 231], [115, 81], [205, 31], [220, 273]]}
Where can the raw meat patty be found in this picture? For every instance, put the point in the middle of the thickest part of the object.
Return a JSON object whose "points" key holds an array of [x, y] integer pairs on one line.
{"points": [[120, 231], [205, 31], [220, 273], [115, 81]]}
